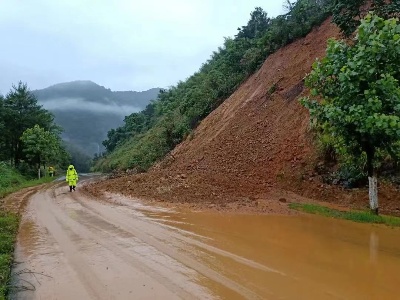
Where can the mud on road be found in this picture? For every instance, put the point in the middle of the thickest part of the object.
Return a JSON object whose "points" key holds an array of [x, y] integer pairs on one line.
{"points": [[72, 246]]}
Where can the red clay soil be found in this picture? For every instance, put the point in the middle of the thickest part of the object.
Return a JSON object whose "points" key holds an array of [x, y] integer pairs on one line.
{"points": [[255, 151]]}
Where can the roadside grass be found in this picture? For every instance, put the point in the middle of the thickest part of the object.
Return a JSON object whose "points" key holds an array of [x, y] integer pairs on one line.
{"points": [[10, 182], [8, 232], [18, 185], [355, 216]]}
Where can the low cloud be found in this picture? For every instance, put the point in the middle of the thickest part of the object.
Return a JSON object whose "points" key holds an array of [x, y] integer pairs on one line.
{"points": [[74, 104]]}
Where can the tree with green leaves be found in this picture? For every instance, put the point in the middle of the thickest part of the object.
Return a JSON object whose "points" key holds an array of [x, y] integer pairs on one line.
{"points": [[347, 14], [42, 147], [256, 26], [19, 111], [359, 86]]}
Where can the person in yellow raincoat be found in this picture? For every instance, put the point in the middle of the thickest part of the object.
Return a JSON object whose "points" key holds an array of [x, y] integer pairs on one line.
{"points": [[51, 171], [71, 177]]}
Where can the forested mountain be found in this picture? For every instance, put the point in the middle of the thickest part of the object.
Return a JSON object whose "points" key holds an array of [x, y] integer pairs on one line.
{"points": [[86, 111]]}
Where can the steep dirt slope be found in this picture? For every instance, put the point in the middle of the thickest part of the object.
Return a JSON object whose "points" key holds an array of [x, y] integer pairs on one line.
{"points": [[254, 149]]}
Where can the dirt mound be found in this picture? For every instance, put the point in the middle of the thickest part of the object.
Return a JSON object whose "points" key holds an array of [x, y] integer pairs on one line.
{"points": [[255, 149]]}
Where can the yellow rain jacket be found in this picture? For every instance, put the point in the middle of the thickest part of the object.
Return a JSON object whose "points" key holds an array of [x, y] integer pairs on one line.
{"points": [[72, 176]]}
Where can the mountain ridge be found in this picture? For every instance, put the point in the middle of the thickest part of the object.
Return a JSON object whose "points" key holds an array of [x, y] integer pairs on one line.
{"points": [[87, 111]]}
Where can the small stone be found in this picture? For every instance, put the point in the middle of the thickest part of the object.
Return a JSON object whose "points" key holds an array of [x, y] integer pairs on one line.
{"points": [[283, 200]]}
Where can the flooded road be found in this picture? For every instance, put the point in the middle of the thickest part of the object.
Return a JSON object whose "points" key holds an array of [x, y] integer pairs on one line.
{"points": [[73, 247]]}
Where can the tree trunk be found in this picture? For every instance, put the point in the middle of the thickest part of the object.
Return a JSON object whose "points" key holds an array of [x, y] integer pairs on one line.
{"points": [[373, 194], [39, 167], [372, 181]]}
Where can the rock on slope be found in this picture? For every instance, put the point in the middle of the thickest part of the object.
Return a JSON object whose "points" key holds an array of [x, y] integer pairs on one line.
{"points": [[255, 149]]}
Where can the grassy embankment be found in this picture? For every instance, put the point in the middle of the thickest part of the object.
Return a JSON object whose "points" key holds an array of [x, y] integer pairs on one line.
{"points": [[10, 181], [8, 231], [352, 215]]}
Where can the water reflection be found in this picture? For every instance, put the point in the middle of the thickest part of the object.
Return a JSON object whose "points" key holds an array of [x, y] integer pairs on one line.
{"points": [[373, 247]]}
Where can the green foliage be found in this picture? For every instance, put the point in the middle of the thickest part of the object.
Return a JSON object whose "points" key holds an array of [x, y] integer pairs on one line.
{"points": [[347, 14], [355, 216], [352, 173], [359, 84], [41, 146], [326, 146], [149, 135], [8, 232], [272, 89], [331, 150], [19, 111], [9, 177], [257, 25], [11, 180]]}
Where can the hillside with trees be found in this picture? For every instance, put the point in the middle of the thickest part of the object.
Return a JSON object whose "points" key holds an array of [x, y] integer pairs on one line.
{"points": [[148, 136], [256, 144]]}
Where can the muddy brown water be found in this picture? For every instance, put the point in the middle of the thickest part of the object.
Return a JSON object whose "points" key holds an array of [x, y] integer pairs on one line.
{"points": [[73, 247]]}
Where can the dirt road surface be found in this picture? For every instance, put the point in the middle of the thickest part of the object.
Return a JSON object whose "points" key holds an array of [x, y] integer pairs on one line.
{"points": [[72, 246]]}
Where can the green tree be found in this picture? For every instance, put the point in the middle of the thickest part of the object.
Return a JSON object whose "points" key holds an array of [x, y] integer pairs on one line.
{"points": [[347, 14], [42, 147], [359, 86], [257, 24], [19, 111]]}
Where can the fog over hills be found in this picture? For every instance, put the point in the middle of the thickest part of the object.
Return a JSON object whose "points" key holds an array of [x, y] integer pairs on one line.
{"points": [[87, 111]]}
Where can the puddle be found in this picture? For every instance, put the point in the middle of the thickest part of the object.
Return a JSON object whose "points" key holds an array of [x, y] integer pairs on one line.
{"points": [[317, 258]]}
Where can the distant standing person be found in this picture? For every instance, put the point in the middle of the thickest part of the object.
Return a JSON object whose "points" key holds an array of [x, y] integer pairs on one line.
{"points": [[71, 177], [51, 171]]}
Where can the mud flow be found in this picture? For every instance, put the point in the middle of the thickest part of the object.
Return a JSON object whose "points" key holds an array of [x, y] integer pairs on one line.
{"points": [[73, 247]]}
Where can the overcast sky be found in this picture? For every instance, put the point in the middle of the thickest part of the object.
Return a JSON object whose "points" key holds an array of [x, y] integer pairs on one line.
{"points": [[120, 44]]}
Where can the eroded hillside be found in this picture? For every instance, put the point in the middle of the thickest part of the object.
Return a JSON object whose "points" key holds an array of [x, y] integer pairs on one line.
{"points": [[255, 148]]}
